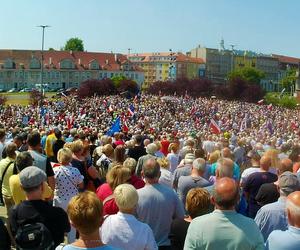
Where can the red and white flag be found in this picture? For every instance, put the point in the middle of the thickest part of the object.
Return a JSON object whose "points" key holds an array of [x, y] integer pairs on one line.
{"points": [[214, 127], [260, 101], [110, 109], [270, 106]]}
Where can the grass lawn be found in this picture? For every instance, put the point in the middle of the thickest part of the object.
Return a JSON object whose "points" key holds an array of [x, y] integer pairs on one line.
{"points": [[22, 98]]}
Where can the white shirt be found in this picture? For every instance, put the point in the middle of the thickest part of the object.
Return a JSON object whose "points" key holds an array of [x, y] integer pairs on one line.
{"points": [[67, 179], [124, 231], [165, 177]]}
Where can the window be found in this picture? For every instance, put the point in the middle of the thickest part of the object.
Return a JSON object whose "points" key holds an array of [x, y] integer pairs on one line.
{"points": [[94, 65], [34, 63], [66, 64]]}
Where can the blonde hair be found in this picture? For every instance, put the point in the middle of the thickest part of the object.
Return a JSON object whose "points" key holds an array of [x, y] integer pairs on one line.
{"points": [[173, 147], [77, 146], [197, 202], [64, 155], [130, 163], [117, 175], [85, 212], [214, 156], [126, 196], [108, 150], [163, 162], [273, 155]]}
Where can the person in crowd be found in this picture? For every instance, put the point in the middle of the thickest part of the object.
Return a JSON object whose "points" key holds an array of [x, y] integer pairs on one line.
{"points": [[295, 157], [138, 150], [254, 182], [85, 214], [5, 242], [226, 153], [173, 156], [58, 144], [105, 159], [2, 141], [119, 156], [288, 239], [6, 171], [150, 150], [272, 216], [34, 209], [115, 176], [165, 174], [51, 138], [227, 229], [195, 179], [158, 205], [197, 203], [135, 234], [269, 192], [135, 181], [68, 180], [183, 169], [39, 160], [24, 160], [254, 158]]}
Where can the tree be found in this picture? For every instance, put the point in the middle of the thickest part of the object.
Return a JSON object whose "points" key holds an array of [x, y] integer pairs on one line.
{"points": [[51, 49], [74, 44], [117, 80], [248, 74], [35, 97], [289, 80], [99, 87], [127, 85], [3, 100]]}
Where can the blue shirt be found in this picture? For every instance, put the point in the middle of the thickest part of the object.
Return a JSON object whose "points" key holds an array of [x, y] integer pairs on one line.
{"points": [[236, 170], [281, 240], [272, 217]]}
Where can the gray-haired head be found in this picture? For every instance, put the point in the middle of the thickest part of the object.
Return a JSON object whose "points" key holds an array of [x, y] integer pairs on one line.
{"points": [[199, 164], [224, 168]]}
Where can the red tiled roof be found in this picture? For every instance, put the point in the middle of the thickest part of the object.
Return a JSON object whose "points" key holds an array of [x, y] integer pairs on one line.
{"points": [[180, 57], [287, 59], [107, 61]]}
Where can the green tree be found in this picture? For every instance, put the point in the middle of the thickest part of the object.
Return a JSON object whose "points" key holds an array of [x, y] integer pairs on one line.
{"points": [[51, 49], [248, 74], [117, 80], [74, 44], [289, 80]]}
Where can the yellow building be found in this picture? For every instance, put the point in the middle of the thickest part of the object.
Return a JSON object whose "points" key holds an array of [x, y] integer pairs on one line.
{"points": [[163, 66], [242, 61]]}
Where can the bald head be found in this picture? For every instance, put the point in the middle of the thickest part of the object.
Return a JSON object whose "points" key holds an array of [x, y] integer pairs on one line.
{"points": [[265, 163], [285, 165], [225, 194], [293, 209]]}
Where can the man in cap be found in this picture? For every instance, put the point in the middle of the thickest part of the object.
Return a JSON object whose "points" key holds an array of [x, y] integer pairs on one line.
{"points": [[289, 239], [272, 216], [34, 209]]}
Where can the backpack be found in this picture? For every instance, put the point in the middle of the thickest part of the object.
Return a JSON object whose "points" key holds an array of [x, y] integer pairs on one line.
{"points": [[32, 234]]}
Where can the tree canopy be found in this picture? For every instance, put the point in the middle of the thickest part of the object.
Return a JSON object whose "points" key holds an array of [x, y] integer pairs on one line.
{"points": [[248, 74], [289, 80], [74, 44]]}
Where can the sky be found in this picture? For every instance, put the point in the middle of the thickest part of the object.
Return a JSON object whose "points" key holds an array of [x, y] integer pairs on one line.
{"points": [[266, 26]]}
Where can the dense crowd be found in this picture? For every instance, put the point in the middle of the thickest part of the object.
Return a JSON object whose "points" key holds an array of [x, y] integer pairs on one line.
{"points": [[153, 172]]}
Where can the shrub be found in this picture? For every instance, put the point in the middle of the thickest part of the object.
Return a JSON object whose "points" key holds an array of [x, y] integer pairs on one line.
{"points": [[283, 101], [35, 97]]}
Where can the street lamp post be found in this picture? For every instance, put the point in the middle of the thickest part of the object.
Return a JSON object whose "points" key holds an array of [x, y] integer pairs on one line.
{"points": [[42, 60]]}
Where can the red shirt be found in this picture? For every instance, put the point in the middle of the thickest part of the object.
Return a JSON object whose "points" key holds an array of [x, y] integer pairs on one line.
{"points": [[164, 147], [136, 182], [110, 207]]}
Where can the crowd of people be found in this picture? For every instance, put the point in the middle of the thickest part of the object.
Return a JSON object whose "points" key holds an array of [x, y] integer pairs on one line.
{"points": [[177, 173]]}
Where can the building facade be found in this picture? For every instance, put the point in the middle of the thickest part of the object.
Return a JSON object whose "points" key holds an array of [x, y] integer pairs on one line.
{"points": [[62, 69], [166, 66]]}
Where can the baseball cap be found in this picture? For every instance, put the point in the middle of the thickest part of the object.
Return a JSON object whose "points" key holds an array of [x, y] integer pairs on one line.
{"points": [[288, 182], [32, 177]]}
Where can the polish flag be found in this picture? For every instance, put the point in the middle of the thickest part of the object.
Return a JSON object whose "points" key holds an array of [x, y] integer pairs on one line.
{"points": [[260, 101], [214, 127], [270, 106], [110, 109]]}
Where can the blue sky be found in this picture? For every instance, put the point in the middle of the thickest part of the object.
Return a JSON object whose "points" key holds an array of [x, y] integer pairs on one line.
{"points": [[268, 26]]}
